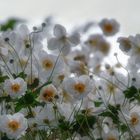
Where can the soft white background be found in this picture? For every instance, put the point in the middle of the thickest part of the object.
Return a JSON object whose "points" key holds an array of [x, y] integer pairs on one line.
{"points": [[127, 12]]}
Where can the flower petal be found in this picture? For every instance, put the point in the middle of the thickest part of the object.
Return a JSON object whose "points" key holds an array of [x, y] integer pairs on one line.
{"points": [[54, 43], [59, 31], [75, 39], [66, 48], [23, 31]]}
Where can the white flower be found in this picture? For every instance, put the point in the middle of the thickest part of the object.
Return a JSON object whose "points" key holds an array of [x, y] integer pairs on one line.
{"points": [[96, 61], [132, 67], [46, 117], [23, 40], [15, 87], [58, 78], [13, 125], [131, 46], [32, 114], [93, 41], [66, 110], [21, 62], [62, 40], [48, 93], [97, 42], [77, 67], [111, 135], [79, 87], [125, 44], [89, 107], [109, 26], [3, 48], [80, 55], [135, 121], [135, 50], [50, 64]]}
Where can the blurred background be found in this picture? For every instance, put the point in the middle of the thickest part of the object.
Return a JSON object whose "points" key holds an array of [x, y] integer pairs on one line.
{"points": [[126, 12]]}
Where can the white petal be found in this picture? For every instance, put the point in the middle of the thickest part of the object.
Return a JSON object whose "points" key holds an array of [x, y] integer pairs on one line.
{"points": [[59, 31], [68, 85], [75, 39], [4, 51], [84, 78], [66, 49], [23, 30], [54, 43]]}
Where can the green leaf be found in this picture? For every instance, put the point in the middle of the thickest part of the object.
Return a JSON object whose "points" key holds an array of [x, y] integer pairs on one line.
{"points": [[130, 92], [64, 125], [19, 107], [37, 91], [83, 124], [114, 117], [28, 100], [97, 103], [123, 128], [3, 78], [35, 84], [10, 24], [5, 138], [91, 120], [5, 98], [21, 75], [113, 109]]}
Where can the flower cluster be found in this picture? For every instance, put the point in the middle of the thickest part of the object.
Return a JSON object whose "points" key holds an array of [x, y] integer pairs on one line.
{"points": [[60, 84]]}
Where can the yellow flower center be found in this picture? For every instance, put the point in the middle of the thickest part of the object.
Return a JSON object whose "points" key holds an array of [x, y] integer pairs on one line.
{"points": [[48, 95], [61, 77], [47, 64], [64, 39], [134, 120], [137, 50], [66, 96], [108, 28], [104, 47], [46, 121], [79, 58], [111, 138], [93, 42], [80, 87], [23, 62], [27, 43], [15, 87], [111, 88], [14, 125], [126, 43]]}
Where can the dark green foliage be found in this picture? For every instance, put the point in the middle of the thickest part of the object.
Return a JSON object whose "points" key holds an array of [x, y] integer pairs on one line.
{"points": [[5, 138], [26, 101], [83, 123], [97, 103], [35, 84], [10, 24], [64, 125], [130, 92], [3, 78], [21, 75], [112, 112], [123, 128]]}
